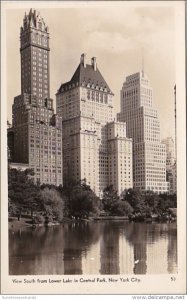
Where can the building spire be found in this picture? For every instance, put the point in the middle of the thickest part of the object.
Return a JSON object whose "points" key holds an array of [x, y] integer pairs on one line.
{"points": [[142, 61]]}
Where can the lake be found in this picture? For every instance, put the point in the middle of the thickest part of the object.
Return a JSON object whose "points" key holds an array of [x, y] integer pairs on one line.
{"points": [[98, 247]]}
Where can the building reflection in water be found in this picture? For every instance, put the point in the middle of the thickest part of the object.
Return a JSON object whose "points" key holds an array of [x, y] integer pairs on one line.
{"points": [[109, 249], [78, 239], [94, 248], [136, 234], [126, 255], [50, 257], [72, 249], [35, 251], [91, 261], [172, 249], [157, 248], [140, 266]]}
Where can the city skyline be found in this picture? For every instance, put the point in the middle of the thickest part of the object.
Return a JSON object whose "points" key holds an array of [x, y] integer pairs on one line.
{"points": [[122, 44], [89, 89]]}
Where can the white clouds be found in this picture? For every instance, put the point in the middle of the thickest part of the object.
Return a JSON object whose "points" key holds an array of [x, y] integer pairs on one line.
{"points": [[110, 42], [127, 29]]}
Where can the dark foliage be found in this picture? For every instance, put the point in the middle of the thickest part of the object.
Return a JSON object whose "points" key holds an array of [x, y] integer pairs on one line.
{"points": [[22, 192], [80, 200], [113, 204]]}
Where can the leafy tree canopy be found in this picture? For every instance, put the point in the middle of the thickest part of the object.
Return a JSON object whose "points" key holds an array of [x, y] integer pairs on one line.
{"points": [[21, 189], [81, 200], [52, 204]]}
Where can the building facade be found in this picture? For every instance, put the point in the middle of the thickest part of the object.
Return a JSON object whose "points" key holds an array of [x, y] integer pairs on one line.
{"points": [[171, 166], [10, 142], [170, 152], [37, 131], [172, 178], [119, 157], [142, 123], [91, 138]]}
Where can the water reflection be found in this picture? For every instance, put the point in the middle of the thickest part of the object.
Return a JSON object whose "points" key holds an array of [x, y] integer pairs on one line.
{"points": [[94, 248], [172, 250], [78, 237], [109, 248]]}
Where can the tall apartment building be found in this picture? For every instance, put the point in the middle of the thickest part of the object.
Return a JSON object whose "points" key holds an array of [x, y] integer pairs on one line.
{"points": [[37, 132], [119, 157], [171, 167], [170, 152], [142, 123], [95, 146]]}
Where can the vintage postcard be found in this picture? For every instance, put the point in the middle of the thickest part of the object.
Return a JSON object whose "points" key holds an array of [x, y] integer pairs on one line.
{"points": [[93, 178]]}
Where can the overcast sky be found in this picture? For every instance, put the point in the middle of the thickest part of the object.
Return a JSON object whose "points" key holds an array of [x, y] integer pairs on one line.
{"points": [[115, 35]]}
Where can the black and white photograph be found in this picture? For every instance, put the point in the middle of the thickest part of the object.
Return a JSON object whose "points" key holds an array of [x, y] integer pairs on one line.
{"points": [[94, 146]]}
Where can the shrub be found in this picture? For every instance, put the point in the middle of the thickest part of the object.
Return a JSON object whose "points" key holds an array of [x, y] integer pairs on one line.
{"points": [[39, 219]]}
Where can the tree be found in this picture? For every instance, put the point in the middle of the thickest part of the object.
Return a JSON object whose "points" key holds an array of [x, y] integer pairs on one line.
{"points": [[52, 204], [22, 192], [160, 203], [113, 204], [136, 199], [152, 200], [168, 201], [38, 219], [81, 201], [124, 208], [110, 200], [12, 208]]}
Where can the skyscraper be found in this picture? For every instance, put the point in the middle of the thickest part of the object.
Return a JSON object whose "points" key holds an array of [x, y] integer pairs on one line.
{"points": [[37, 131], [142, 123], [170, 152], [171, 167], [34, 50], [95, 146]]}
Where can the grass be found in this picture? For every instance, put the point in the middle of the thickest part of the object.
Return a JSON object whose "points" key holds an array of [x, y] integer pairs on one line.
{"points": [[13, 222]]}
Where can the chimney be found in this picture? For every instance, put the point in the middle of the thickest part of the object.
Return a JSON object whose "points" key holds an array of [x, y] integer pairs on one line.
{"points": [[83, 59], [94, 64]]}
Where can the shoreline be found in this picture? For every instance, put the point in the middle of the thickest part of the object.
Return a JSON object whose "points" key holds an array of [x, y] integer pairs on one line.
{"points": [[15, 224]]}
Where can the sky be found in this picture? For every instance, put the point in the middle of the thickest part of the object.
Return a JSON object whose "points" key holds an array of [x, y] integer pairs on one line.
{"points": [[119, 36]]}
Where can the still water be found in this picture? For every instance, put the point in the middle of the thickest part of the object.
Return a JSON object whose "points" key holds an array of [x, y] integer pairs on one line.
{"points": [[103, 247]]}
